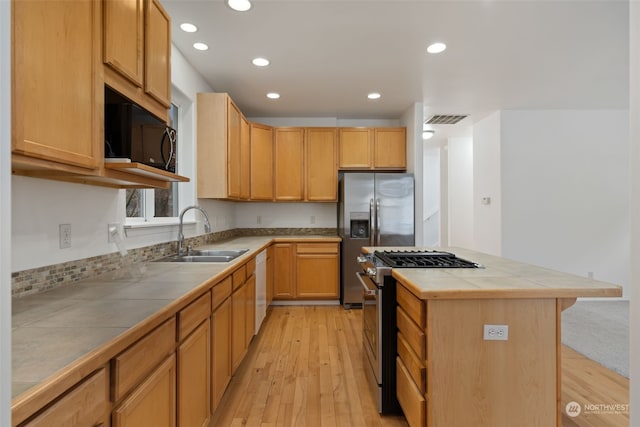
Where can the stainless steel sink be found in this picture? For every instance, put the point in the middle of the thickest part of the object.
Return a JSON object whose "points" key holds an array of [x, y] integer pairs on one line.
{"points": [[206, 255]]}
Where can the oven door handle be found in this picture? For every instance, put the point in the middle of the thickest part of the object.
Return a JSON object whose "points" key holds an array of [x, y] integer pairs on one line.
{"points": [[366, 289]]}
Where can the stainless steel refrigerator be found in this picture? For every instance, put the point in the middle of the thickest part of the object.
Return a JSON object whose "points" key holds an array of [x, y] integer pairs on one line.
{"points": [[374, 209]]}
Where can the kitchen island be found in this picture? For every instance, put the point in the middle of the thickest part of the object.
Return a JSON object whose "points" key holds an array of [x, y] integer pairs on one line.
{"points": [[481, 346]]}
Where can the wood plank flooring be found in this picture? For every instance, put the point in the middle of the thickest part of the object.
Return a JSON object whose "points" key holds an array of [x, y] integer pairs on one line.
{"points": [[305, 368]]}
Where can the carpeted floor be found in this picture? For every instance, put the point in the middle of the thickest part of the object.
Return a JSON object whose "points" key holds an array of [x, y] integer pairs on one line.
{"points": [[600, 331]]}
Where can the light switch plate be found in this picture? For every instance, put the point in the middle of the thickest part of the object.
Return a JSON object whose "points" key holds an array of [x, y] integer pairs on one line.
{"points": [[65, 236]]}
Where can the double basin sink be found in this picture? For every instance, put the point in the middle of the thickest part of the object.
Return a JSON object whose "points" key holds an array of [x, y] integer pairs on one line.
{"points": [[205, 255]]}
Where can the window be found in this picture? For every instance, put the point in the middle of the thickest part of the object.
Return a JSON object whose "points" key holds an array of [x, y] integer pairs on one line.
{"points": [[147, 205]]}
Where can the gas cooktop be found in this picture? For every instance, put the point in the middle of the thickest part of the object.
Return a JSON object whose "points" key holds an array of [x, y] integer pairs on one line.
{"points": [[423, 259]]}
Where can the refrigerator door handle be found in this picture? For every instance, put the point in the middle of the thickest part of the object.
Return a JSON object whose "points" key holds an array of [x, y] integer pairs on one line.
{"points": [[371, 224], [377, 222]]}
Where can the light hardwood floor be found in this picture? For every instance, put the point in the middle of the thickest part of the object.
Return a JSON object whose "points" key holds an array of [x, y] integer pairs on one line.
{"points": [[305, 369]]}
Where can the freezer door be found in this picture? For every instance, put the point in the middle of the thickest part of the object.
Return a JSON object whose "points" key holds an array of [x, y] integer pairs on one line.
{"points": [[394, 206], [356, 193]]}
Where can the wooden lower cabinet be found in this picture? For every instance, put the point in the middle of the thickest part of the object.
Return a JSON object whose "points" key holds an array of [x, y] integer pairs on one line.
{"points": [[317, 266], [87, 404], [152, 403], [194, 400], [306, 271], [221, 351]]}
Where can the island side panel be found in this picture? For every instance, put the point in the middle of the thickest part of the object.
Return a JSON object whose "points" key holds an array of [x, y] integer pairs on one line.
{"points": [[474, 382]]}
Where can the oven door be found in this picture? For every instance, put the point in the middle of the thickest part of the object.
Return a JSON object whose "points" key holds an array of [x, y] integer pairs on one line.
{"points": [[371, 323]]}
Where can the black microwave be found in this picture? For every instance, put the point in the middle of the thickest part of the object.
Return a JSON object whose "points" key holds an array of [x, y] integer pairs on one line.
{"points": [[131, 132]]}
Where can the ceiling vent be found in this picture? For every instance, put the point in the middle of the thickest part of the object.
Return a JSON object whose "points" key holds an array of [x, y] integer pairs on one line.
{"points": [[444, 119]]}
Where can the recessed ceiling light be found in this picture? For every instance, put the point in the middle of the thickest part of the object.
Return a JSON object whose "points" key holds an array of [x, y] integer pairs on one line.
{"points": [[273, 95], [239, 5], [200, 46], [374, 95], [260, 62], [188, 28], [428, 134], [436, 48]]}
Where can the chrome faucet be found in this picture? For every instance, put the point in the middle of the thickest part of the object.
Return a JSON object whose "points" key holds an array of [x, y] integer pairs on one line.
{"points": [[207, 225]]}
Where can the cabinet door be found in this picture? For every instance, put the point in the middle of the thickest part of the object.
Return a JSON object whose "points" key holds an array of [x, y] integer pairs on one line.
{"points": [[317, 274], [238, 326], [321, 170], [245, 159], [250, 301], [221, 351], [193, 378], [158, 53], [233, 150], [283, 271], [124, 38], [355, 147], [57, 81], [289, 162], [153, 403], [390, 148], [261, 162]]}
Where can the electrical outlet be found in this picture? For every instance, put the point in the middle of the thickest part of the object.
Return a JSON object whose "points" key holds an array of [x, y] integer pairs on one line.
{"points": [[65, 236], [496, 332], [112, 232], [258, 219], [313, 219]]}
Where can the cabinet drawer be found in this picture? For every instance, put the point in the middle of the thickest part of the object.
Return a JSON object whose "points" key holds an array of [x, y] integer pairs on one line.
{"points": [[221, 292], [413, 403], [317, 248], [239, 277], [193, 314], [87, 404], [412, 305], [251, 267], [414, 336], [414, 365], [135, 363]]}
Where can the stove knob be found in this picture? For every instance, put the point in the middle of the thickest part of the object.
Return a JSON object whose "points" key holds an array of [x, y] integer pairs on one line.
{"points": [[362, 259], [371, 272]]}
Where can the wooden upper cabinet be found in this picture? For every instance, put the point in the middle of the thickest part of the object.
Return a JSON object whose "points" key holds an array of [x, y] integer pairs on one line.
{"points": [[137, 52], [234, 165], [124, 38], [245, 159], [289, 162], [222, 135], [158, 53], [261, 162], [355, 148], [57, 96], [321, 165], [390, 148]]}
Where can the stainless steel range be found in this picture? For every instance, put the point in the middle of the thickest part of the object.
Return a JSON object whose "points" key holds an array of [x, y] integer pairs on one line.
{"points": [[379, 313]]}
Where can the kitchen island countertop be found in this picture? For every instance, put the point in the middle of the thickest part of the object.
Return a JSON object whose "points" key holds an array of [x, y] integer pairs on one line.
{"points": [[500, 278]]}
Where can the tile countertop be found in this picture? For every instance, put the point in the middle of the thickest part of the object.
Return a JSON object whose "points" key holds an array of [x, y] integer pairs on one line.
{"points": [[501, 278], [71, 324]]}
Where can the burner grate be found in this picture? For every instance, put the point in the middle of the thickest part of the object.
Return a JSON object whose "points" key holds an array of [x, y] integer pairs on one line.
{"points": [[424, 259]]}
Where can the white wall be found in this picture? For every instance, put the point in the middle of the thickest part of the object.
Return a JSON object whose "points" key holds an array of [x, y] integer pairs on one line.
{"points": [[460, 192], [565, 191], [487, 184], [431, 194], [5, 213], [634, 285], [412, 120], [286, 215]]}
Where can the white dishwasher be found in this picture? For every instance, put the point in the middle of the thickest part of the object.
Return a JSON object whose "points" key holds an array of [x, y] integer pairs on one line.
{"points": [[261, 288]]}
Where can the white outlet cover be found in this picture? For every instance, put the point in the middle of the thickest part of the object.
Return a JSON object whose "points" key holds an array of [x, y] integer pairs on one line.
{"points": [[496, 332]]}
